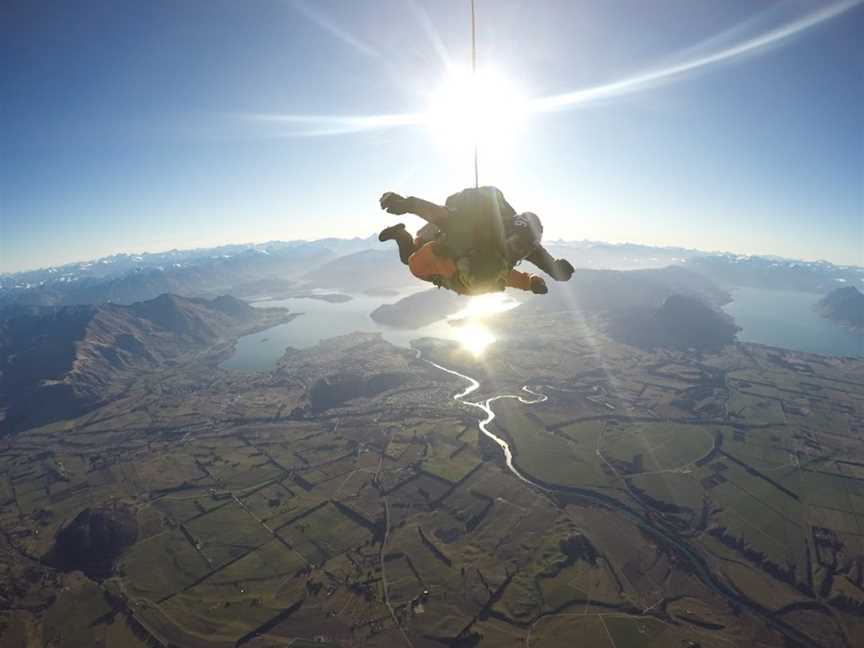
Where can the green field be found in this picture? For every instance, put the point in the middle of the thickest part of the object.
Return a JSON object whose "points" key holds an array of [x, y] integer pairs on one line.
{"points": [[565, 457], [324, 533], [654, 447]]}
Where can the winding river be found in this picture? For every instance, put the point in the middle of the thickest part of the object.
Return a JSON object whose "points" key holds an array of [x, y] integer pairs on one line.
{"points": [[696, 562], [486, 407]]}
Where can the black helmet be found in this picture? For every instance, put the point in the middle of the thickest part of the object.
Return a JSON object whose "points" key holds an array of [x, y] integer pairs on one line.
{"points": [[528, 227]]}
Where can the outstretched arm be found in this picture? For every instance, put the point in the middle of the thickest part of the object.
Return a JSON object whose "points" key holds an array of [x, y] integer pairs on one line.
{"points": [[558, 269], [525, 281], [393, 203], [430, 212]]}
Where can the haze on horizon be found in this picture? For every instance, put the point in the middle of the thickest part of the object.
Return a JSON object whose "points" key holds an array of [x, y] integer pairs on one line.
{"points": [[144, 127]]}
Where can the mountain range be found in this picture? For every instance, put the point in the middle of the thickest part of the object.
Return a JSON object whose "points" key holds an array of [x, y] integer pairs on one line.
{"points": [[59, 362], [283, 269]]}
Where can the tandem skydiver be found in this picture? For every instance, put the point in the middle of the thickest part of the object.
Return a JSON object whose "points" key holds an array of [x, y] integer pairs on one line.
{"points": [[472, 243]]}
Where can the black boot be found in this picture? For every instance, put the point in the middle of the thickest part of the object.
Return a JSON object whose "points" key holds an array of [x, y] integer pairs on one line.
{"points": [[403, 239], [389, 233]]}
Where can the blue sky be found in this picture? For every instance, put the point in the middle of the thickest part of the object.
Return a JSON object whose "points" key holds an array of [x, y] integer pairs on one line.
{"points": [[144, 126]]}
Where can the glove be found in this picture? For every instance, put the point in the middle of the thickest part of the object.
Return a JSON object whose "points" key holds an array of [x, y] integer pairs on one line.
{"points": [[538, 285], [393, 203], [563, 270]]}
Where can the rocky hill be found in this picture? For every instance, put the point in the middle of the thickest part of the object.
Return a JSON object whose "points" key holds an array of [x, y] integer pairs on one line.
{"points": [[94, 539], [845, 306], [375, 366], [419, 309], [681, 322], [58, 362]]}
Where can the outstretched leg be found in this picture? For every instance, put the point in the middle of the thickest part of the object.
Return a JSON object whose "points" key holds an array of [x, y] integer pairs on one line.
{"points": [[403, 239]]}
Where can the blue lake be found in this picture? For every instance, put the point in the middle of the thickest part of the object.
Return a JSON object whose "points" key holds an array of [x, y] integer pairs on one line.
{"points": [[321, 320], [788, 319], [777, 318]]}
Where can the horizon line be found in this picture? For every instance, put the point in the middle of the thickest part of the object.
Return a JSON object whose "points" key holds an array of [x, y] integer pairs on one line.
{"points": [[255, 244]]}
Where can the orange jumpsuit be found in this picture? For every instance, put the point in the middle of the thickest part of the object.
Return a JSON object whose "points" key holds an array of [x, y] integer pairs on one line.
{"points": [[428, 265]]}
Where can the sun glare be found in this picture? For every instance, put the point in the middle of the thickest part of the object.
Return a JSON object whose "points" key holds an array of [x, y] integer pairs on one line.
{"points": [[475, 338], [471, 332], [485, 305], [487, 110]]}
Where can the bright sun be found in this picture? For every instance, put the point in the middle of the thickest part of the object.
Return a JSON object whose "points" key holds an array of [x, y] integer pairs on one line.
{"points": [[487, 109], [475, 338], [471, 332]]}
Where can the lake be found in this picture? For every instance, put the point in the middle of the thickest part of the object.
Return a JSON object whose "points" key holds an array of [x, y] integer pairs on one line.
{"points": [[773, 317], [321, 320], [788, 319]]}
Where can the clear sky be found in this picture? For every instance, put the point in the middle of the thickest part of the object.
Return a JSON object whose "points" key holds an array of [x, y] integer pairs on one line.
{"points": [[144, 126]]}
